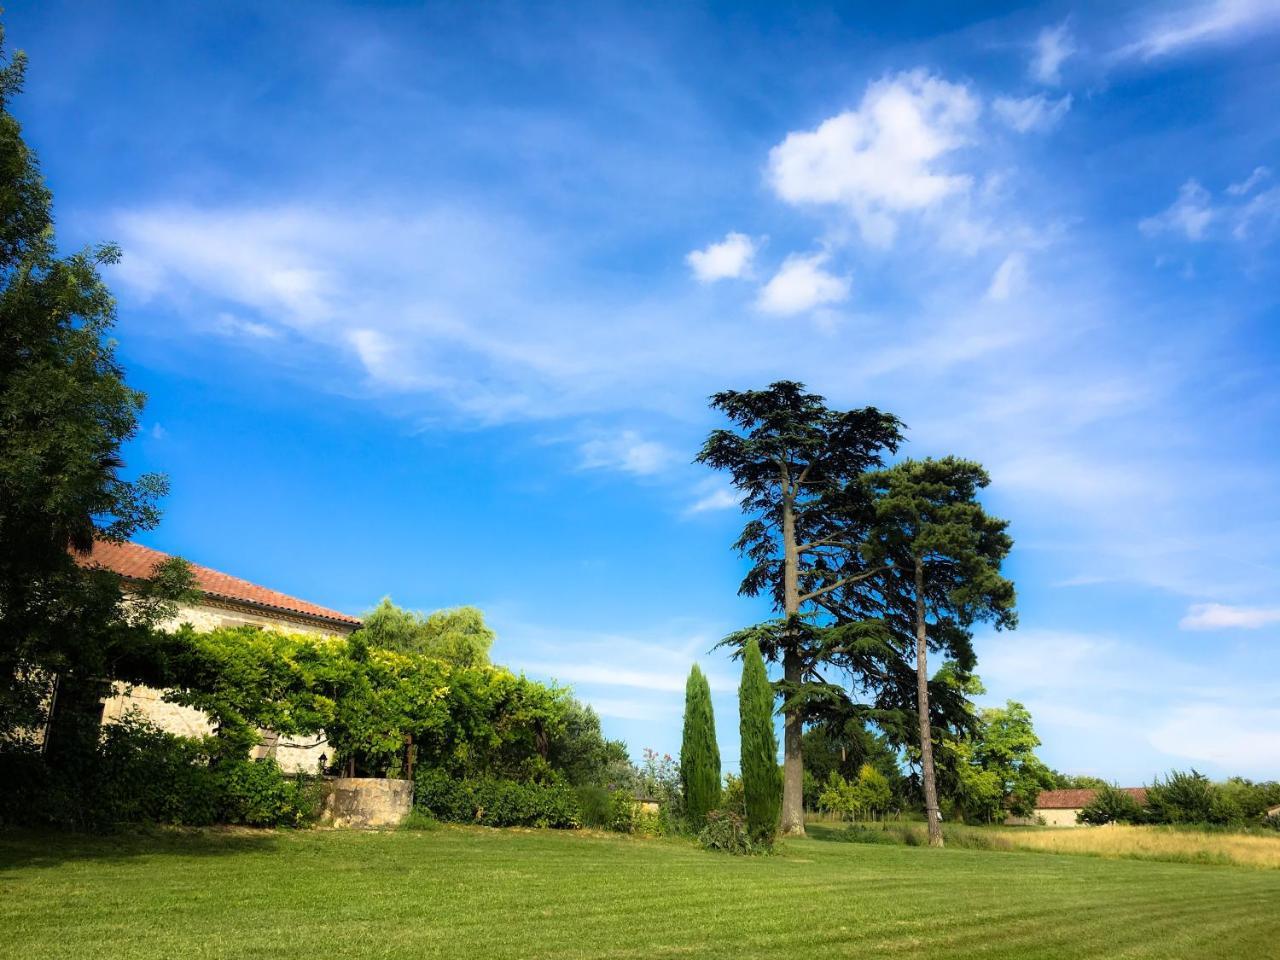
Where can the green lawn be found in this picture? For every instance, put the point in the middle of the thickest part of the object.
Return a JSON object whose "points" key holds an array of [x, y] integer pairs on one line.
{"points": [[460, 892]]}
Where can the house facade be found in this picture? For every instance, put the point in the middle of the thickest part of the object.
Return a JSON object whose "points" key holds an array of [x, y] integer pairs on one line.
{"points": [[225, 601], [1059, 808]]}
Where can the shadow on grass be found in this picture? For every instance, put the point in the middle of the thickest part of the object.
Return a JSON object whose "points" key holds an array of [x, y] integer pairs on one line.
{"points": [[23, 848]]}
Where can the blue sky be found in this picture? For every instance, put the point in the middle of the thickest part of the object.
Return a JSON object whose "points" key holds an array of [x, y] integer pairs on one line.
{"points": [[428, 301]]}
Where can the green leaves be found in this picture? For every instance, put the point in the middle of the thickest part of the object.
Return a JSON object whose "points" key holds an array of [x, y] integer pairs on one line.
{"points": [[761, 775], [699, 753]]}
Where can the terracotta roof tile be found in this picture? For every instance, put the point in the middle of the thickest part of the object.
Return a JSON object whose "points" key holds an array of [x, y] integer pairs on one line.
{"points": [[134, 561], [1075, 799]]}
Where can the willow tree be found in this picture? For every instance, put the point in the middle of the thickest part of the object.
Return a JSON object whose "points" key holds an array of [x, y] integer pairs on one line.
{"points": [[796, 463], [699, 754], [938, 553], [761, 778]]}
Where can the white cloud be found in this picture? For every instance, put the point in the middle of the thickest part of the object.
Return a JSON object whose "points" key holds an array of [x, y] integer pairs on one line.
{"points": [[1231, 736], [158, 432], [1221, 616], [801, 284], [884, 158], [1036, 113], [1189, 215], [1248, 183], [714, 494], [1197, 24], [1054, 46], [627, 451], [729, 258], [229, 325], [1009, 279]]}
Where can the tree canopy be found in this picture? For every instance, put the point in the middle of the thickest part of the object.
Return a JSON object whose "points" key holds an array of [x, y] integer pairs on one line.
{"points": [[458, 635]]}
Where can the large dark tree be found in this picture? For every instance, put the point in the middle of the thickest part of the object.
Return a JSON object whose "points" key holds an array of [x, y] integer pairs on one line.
{"points": [[796, 463], [699, 752], [938, 554], [65, 411], [761, 778]]}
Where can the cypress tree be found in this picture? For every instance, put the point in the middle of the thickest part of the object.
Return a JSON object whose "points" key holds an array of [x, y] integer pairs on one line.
{"points": [[699, 755], [761, 775]]}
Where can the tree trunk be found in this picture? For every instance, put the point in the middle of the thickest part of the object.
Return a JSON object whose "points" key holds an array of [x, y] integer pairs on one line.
{"points": [[792, 672], [922, 704]]}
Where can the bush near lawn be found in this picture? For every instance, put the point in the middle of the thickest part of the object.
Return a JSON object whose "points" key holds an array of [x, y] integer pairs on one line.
{"points": [[494, 802], [142, 774]]}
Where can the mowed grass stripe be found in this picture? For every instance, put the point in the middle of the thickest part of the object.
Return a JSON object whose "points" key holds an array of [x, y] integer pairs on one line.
{"points": [[472, 892]]}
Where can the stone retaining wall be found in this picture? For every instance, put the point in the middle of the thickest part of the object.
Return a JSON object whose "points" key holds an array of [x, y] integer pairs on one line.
{"points": [[366, 801]]}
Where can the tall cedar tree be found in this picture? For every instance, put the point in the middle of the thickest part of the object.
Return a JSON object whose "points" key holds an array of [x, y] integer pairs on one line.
{"points": [[942, 554], [796, 461], [65, 411], [761, 776], [699, 754]]}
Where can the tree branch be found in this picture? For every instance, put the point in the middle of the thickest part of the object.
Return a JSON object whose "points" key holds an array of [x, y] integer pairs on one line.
{"points": [[842, 583]]}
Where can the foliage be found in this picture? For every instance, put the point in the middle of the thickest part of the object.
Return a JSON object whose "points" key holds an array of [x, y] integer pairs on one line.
{"points": [[141, 774], [495, 802], [940, 555], [1111, 805], [458, 636], [868, 795], [65, 414], [761, 775], [727, 832], [1184, 798], [595, 805], [795, 462], [992, 770], [419, 820], [576, 746], [622, 812], [699, 753], [733, 797]]}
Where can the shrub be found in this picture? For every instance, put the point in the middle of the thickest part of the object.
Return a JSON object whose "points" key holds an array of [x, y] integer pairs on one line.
{"points": [[1110, 805], [622, 811], [419, 820], [494, 802], [727, 832], [141, 774], [1181, 798], [594, 806], [257, 793]]}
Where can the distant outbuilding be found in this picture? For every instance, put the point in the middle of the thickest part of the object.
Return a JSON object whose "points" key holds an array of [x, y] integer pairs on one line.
{"points": [[1058, 808]]}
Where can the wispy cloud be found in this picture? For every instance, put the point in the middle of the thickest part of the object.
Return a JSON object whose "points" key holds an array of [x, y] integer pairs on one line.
{"points": [[1189, 215], [1035, 113], [1009, 279], [1197, 24], [727, 259], [1053, 47], [1221, 616], [714, 494], [627, 451]]}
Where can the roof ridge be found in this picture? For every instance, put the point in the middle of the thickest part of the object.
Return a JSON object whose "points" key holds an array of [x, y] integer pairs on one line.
{"points": [[135, 561]]}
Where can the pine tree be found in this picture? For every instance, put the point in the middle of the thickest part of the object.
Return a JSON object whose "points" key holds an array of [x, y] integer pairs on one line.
{"points": [[761, 775], [699, 755]]}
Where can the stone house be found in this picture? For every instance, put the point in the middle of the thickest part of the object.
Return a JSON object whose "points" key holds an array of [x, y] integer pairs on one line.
{"points": [[226, 601], [1058, 808]]}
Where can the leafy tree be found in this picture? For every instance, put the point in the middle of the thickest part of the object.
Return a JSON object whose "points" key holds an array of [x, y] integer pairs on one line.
{"points": [[65, 412], [761, 778], [794, 459], [1004, 746], [699, 753], [1074, 781], [843, 748], [1182, 798], [578, 748], [941, 554], [458, 636], [1110, 805]]}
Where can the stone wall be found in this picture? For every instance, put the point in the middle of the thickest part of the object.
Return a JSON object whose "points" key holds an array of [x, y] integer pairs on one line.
{"points": [[366, 801]]}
